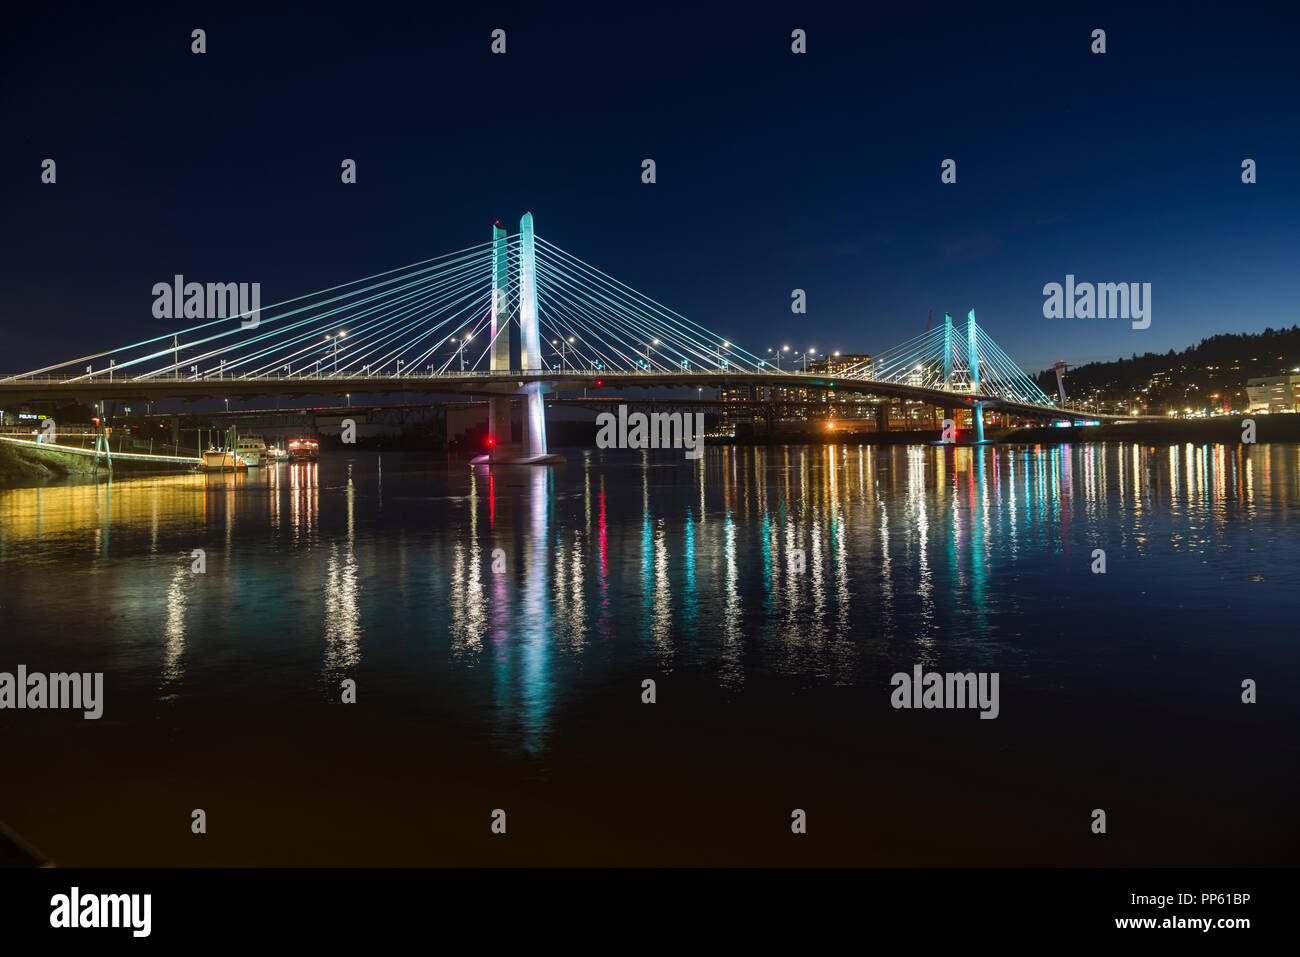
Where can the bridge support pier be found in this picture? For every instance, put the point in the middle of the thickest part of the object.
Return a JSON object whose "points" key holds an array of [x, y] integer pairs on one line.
{"points": [[977, 415]]}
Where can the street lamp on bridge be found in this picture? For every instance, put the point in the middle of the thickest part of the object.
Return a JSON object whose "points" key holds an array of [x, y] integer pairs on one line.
{"points": [[777, 354], [563, 344], [335, 337], [461, 348]]}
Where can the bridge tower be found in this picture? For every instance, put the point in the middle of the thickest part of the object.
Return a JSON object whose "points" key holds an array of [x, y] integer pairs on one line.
{"points": [[503, 450], [530, 340], [973, 361], [499, 356], [947, 352]]}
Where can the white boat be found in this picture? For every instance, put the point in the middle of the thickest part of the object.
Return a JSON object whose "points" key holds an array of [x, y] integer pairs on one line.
{"points": [[251, 450], [221, 460]]}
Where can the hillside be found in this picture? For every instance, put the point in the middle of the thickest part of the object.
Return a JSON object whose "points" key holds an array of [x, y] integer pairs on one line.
{"points": [[1210, 375]]}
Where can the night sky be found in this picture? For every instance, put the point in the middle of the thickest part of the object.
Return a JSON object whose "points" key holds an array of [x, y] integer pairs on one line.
{"points": [[775, 171]]}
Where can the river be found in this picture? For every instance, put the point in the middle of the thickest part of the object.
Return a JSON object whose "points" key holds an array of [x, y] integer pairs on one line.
{"points": [[499, 629]]}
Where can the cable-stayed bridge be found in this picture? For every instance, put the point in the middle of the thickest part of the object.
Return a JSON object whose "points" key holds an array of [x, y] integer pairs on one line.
{"points": [[511, 318]]}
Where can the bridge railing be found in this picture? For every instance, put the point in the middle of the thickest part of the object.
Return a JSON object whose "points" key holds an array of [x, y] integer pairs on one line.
{"points": [[98, 377], [851, 376]]}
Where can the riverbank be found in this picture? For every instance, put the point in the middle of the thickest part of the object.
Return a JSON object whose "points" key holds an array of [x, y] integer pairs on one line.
{"points": [[18, 467], [26, 462]]}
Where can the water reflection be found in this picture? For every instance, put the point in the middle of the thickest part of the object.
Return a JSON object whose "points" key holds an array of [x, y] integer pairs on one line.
{"points": [[342, 618], [174, 629], [514, 588]]}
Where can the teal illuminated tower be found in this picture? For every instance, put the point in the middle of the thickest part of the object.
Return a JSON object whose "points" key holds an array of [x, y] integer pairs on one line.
{"points": [[972, 355], [973, 360], [947, 351], [499, 356]]}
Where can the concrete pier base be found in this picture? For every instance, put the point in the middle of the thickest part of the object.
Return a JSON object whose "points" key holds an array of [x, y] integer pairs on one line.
{"points": [[517, 460]]}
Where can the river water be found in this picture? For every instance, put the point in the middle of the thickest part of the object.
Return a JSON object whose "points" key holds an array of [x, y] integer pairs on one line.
{"points": [[499, 628]]}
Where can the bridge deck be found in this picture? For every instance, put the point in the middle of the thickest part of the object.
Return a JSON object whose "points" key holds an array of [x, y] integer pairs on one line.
{"points": [[92, 389]]}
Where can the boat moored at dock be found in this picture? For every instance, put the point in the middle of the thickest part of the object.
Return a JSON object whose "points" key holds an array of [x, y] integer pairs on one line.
{"points": [[304, 450], [252, 451], [222, 460]]}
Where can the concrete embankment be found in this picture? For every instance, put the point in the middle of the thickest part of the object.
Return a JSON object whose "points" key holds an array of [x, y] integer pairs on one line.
{"points": [[23, 461], [17, 466]]}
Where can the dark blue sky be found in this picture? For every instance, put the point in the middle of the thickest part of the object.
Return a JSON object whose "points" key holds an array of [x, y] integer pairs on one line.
{"points": [[775, 171]]}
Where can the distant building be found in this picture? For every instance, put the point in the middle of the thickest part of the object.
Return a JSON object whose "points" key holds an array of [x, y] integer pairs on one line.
{"points": [[1279, 393], [797, 403], [858, 362]]}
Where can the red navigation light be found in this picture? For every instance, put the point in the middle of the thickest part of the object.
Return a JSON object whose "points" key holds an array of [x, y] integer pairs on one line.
{"points": [[491, 441], [600, 382]]}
